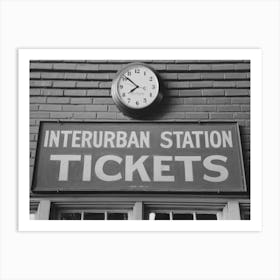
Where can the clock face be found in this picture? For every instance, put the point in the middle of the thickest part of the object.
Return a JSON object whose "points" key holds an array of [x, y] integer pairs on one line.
{"points": [[137, 87]]}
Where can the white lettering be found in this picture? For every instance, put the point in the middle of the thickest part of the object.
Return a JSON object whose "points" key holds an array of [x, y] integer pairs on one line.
{"points": [[216, 168], [159, 168], [99, 168], [64, 164], [130, 167]]}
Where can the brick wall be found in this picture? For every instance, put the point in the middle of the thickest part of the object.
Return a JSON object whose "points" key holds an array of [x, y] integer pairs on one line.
{"points": [[195, 90]]}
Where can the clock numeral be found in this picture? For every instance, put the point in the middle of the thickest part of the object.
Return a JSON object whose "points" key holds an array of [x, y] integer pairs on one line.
{"points": [[137, 71], [124, 79], [128, 73], [145, 100], [137, 103], [128, 100], [151, 95], [151, 79], [153, 86], [121, 86], [144, 73], [123, 94]]}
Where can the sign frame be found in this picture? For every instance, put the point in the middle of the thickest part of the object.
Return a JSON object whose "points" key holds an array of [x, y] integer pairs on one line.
{"points": [[35, 169]]}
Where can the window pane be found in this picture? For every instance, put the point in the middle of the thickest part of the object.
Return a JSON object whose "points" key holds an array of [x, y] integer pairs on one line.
{"points": [[70, 216], [94, 216], [162, 216], [245, 215], [182, 216], [206, 216], [117, 216]]}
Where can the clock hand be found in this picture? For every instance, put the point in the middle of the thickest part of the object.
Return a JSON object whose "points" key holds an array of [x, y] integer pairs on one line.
{"points": [[133, 89], [131, 81]]}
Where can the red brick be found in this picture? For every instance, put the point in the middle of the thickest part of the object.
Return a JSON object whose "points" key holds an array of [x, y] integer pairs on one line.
{"points": [[212, 76], [221, 116], [64, 84], [199, 67], [228, 108], [35, 91], [201, 84], [61, 115], [38, 99], [242, 115], [245, 108], [158, 67], [121, 116], [39, 115], [224, 84], [34, 129], [169, 76], [218, 100], [81, 100], [87, 67], [85, 115], [171, 92], [195, 100], [113, 108], [240, 100], [103, 100], [105, 84], [198, 116], [52, 92], [189, 76], [222, 67], [173, 101], [98, 76], [40, 83], [35, 75], [237, 75], [52, 75], [243, 84], [96, 108], [184, 84], [107, 115], [181, 108], [49, 107], [237, 92], [87, 84], [61, 100], [98, 92], [110, 67], [40, 65], [64, 66], [75, 76], [174, 115], [77, 108], [177, 67], [205, 108], [75, 92], [213, 92], [190, 92], [242, 66]]}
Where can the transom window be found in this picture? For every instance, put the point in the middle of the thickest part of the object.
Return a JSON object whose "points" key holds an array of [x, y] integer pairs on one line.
{"points": [[93, 215], [173, 215]]}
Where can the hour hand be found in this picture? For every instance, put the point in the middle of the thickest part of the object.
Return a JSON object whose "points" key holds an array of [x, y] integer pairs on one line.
{"points": [[133, 89]]}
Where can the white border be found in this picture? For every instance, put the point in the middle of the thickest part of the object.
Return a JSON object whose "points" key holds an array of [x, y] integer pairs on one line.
{"points": [[25, 55]]}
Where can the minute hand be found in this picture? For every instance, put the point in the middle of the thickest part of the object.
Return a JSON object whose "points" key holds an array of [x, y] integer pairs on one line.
{"points": [[131, 81]]}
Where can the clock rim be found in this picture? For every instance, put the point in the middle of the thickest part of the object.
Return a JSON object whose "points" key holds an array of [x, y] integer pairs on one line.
{"points": [[133, 67], [115, 95]]}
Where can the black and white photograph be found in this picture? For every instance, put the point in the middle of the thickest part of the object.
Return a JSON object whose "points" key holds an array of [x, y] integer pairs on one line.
{"points": [[140, 140]]}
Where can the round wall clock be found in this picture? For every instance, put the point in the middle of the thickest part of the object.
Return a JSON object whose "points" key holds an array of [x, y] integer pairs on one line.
{"points": [[136, 89]]}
